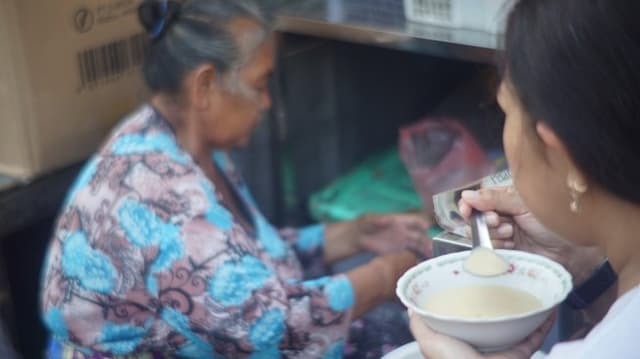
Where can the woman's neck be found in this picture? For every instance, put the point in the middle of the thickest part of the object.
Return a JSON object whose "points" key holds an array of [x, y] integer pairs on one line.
{"points": [[185, 125], [617, 229]]}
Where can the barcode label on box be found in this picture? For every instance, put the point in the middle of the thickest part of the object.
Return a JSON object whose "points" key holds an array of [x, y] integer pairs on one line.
{"points": [[107, 62]]}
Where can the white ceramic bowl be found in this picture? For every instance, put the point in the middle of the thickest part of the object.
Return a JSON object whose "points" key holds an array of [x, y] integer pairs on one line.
{"points": [[412, 351], [534, 274]]}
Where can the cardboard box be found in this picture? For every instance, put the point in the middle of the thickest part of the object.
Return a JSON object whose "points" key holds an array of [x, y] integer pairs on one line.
{"points": [[69, 70]]}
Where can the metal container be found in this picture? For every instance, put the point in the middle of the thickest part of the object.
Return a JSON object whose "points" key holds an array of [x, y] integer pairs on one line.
{"points": [[447, 242]]}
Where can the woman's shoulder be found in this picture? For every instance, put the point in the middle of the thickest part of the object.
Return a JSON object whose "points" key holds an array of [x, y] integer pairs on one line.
{"points": [[143, 129], [140, 159], [613, 337]]}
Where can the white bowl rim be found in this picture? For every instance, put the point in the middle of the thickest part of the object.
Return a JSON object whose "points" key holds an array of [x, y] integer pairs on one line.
{"points": [[564, 274]]}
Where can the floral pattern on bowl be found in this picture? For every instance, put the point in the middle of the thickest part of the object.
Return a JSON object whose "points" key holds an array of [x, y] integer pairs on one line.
{"points": [[537, 275]]}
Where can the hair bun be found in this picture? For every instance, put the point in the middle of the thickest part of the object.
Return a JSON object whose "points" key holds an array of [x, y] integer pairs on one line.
{"points": [[156, 16]]}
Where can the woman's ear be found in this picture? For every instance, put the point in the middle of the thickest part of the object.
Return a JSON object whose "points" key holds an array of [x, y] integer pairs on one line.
{"points": [[549, 137], [203, 86], [557, 153]]}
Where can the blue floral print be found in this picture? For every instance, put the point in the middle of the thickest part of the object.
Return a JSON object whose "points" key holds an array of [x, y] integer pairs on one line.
{"points": [[136, 144], [224, 162], [200, 350], [268, 330], [270, 239], [246, 194], [233, 282], [335, 351], [340, 294], [196, 347], [84, 178], [54, 319], [316, 283], [144, 228], [221, 159], [271, 353], [310, 237], [216, 214], [90, 267], [120, 339]]}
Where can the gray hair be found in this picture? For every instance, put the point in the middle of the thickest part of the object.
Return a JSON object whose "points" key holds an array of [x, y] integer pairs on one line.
{"points": [[187, 35]]}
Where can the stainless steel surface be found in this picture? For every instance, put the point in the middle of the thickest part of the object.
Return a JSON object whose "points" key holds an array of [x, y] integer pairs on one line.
{"points": [[382, 23], [479, 231], [447, 242]]}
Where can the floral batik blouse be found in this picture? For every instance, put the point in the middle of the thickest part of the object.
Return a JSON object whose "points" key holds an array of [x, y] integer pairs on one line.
{"points": [[146, 261]]}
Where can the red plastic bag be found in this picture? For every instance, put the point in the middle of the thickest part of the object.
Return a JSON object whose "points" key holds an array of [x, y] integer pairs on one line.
{"points": [[441, 154]]}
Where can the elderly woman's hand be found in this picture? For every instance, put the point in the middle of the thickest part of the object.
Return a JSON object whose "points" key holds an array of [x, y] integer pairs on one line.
{"points": [[434, 345], [379, 234], [390, 233], [512, 226]]}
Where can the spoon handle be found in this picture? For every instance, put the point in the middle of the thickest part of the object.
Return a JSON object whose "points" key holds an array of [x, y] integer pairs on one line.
{"points": [[479, 230]]}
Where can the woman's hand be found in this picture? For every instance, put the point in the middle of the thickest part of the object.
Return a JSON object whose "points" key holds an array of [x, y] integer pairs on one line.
{"points": [[379, 234], [512, 226], [434, 345], [382, 234]]}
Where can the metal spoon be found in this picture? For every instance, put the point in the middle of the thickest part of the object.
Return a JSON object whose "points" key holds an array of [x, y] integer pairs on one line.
{"points": [[483, 261], [480, 230]]}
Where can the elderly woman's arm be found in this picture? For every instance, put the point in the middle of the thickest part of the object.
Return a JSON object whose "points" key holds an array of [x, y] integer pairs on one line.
{"points": [[251, 308], [375, 282], [379, 234]]}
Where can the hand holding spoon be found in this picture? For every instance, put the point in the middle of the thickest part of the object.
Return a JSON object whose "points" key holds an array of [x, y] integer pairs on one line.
{"points": [[483, 261]]}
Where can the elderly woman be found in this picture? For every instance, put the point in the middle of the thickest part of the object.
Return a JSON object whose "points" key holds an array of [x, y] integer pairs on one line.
{"points": [[160, 251], [571, 95]]}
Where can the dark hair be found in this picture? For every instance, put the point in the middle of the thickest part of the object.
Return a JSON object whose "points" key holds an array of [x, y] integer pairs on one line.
{"points": [[187, 34], [574, 64]]}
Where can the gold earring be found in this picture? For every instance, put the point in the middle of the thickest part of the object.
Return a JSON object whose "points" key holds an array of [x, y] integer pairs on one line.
{"points": [[576, 189]]}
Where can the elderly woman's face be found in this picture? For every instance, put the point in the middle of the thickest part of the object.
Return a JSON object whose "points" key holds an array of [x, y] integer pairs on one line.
{"points": [[537, 172], [242, 100]]}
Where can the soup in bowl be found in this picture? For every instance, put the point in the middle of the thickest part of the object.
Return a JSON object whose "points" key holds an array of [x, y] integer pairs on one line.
{"points": [[490, 313]]}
